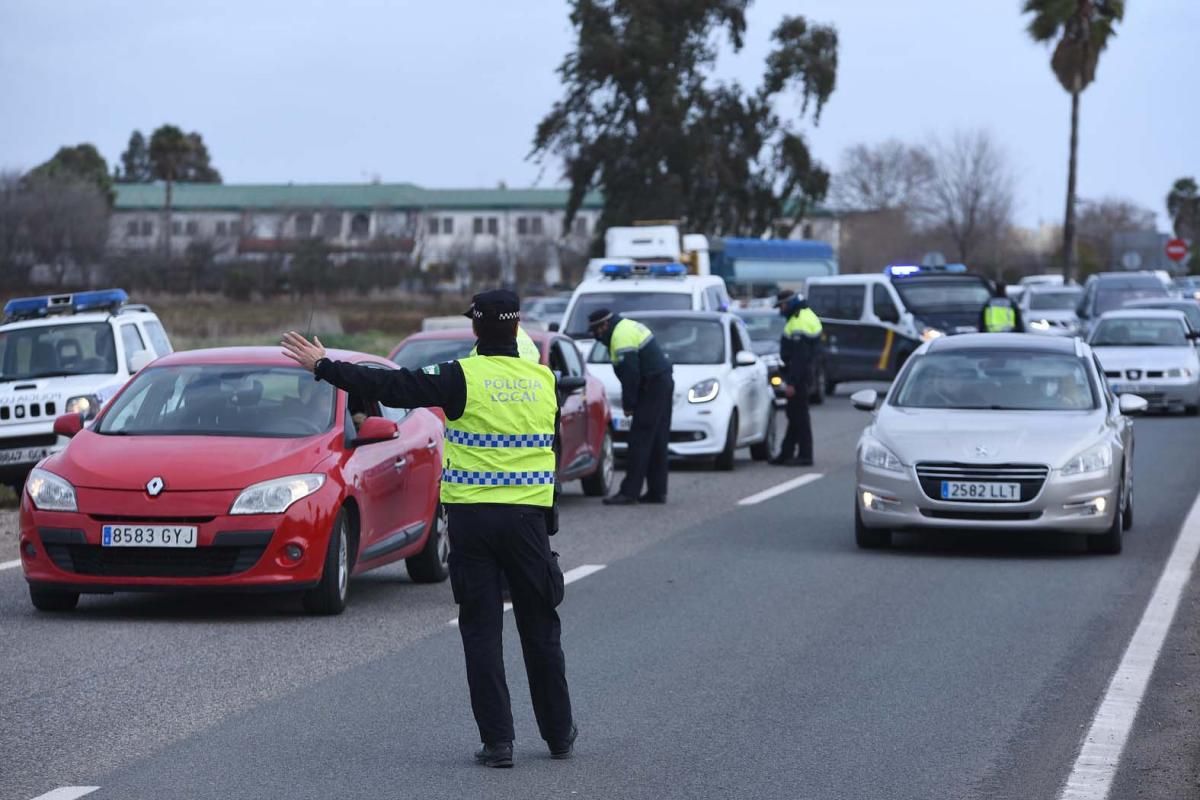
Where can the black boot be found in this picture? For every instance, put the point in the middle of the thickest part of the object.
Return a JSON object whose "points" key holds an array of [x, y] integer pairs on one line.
{"points": [[564, 749], [496, 755]]}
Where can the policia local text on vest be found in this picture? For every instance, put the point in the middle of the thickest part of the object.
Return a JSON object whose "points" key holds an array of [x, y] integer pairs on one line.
{"points": [[498, 474]]}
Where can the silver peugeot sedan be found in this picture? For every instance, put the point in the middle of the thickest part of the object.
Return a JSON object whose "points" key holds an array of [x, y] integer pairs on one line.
{"points": [[997, 432]]}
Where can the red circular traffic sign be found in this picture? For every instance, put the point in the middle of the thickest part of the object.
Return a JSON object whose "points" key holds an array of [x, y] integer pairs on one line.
{"points": [[1177, 249]]}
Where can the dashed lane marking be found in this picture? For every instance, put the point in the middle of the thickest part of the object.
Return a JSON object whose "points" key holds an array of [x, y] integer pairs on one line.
{"points": [[570, 576], [67, 793], [786, 486], [1092, 775], [10, 564]]}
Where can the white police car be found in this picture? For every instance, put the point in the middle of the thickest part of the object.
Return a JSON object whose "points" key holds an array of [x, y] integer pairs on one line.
{"points": [[65, 354]]}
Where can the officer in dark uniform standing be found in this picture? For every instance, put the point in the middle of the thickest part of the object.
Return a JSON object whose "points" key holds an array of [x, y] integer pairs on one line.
{"points": [[797, 348], [647, 387], [1000, 314], [498, 473]]}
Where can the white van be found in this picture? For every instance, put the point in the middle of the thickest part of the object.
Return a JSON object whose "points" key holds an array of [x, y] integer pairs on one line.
{"points": [[624, 288]]}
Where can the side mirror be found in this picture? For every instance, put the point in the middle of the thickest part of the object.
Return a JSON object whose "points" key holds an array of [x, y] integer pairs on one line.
{"points": [[866, 400], [570, 384], [553, 327], [139, 360], [68, 425], [745, 358], [1131, 405], [375, 429]]}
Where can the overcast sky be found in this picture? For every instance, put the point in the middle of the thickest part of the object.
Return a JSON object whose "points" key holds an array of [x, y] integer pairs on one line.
{"points": [[447, 94]]}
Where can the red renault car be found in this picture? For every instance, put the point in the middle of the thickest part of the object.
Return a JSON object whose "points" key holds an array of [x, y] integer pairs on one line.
{"points": [[584, 440], [233, 469]]}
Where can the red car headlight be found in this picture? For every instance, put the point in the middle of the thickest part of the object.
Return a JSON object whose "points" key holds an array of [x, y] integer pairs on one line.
{"points": [[275, 496], [50, 492]]}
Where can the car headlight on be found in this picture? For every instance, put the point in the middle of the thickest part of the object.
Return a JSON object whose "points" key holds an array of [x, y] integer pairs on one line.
{"points": [[929, 334], [275, 496], [86, 404], [1095, 459], [876, 455], [1182, 372], [704, 391], [776, 380], [50, 492]]}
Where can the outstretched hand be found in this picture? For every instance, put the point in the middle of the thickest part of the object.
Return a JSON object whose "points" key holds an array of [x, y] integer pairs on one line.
{"points": [[300, 350]]}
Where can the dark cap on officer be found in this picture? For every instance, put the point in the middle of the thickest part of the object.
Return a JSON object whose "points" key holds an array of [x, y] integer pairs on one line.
{"points": [[497, 305], [599, 317], [783, 296]]}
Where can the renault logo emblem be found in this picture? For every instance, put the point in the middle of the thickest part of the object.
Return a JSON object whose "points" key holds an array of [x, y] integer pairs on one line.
{"points": [[155, 486]]}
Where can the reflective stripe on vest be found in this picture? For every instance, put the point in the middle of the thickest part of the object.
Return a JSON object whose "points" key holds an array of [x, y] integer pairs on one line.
{"points": [[526, 347], [804, 323], [501, 450], [629, 335], [999, 317]]}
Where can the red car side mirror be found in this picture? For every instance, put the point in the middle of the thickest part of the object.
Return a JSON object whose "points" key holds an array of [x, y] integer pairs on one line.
{"points": [[375, 429], [68, 425]]}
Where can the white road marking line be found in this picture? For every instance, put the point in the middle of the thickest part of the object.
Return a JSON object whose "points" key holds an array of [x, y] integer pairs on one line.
{"points": [[10, 564], [786, 486], [570, 576], [67, 793], [1095, 768]]}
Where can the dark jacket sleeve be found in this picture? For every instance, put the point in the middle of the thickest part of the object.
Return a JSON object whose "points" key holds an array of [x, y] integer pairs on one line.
{"points": [[444, 386], [1019, 325], [629, 373]]}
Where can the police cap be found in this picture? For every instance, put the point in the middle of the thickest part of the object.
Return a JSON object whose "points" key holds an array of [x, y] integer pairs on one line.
{"points": [[598, 317], [497, 304]]}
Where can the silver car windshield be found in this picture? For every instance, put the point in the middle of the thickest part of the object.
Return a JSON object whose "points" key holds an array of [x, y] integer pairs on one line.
{"points": [[1133, 332], [1007, 380]]}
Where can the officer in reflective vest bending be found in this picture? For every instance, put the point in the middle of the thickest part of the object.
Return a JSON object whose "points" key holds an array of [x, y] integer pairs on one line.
{"points": [[1000, 314], [797, 348], [646, 390], [498, 472]]}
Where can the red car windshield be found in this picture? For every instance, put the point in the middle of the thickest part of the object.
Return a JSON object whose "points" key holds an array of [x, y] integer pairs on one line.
{"points": [[221, 400]]}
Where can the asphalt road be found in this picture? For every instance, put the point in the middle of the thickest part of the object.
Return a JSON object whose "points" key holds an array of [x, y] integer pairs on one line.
{"points": [[724, 651]]}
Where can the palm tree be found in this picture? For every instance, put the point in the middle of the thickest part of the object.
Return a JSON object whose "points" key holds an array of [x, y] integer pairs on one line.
{"points": [[1082, 28]]}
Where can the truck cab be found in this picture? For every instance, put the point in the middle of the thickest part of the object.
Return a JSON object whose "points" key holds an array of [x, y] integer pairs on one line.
{"points": [[65, 354]]}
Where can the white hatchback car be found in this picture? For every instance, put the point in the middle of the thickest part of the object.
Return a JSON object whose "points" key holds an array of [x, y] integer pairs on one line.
{"points": [[722, 398]]}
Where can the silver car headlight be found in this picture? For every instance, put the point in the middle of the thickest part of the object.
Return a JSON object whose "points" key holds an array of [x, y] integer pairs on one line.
{"points": [[705, 391], [876, 455], [275, 496], [1095, 459], [1182, 372], [50, 492]]}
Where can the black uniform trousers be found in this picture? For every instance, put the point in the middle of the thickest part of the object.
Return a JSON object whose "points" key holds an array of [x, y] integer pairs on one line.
{"points": [[649, 438], [797, 442], [488, 541]]}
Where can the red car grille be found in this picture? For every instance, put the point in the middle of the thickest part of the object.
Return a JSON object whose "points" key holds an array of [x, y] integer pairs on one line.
{"points": [[240, 552]]}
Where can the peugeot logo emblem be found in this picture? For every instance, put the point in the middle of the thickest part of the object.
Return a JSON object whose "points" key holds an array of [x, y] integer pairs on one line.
{"points": [[982, 451], [155, 486]]}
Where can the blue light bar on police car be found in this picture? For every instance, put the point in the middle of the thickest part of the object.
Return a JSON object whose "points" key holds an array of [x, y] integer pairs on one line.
{"points": [[900, 270], [34, 307], [653, 270]]}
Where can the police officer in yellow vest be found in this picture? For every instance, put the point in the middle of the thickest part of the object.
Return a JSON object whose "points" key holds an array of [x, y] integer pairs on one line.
{"points": [[798, 345], [1000, 314], [647, 387], [498, 473]]}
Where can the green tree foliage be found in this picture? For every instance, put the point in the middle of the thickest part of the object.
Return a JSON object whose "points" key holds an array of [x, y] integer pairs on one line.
{"points": [[1183, 206], [178, 157], [82, 162], [643, 119], [135, 161], [1082, 29]]}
